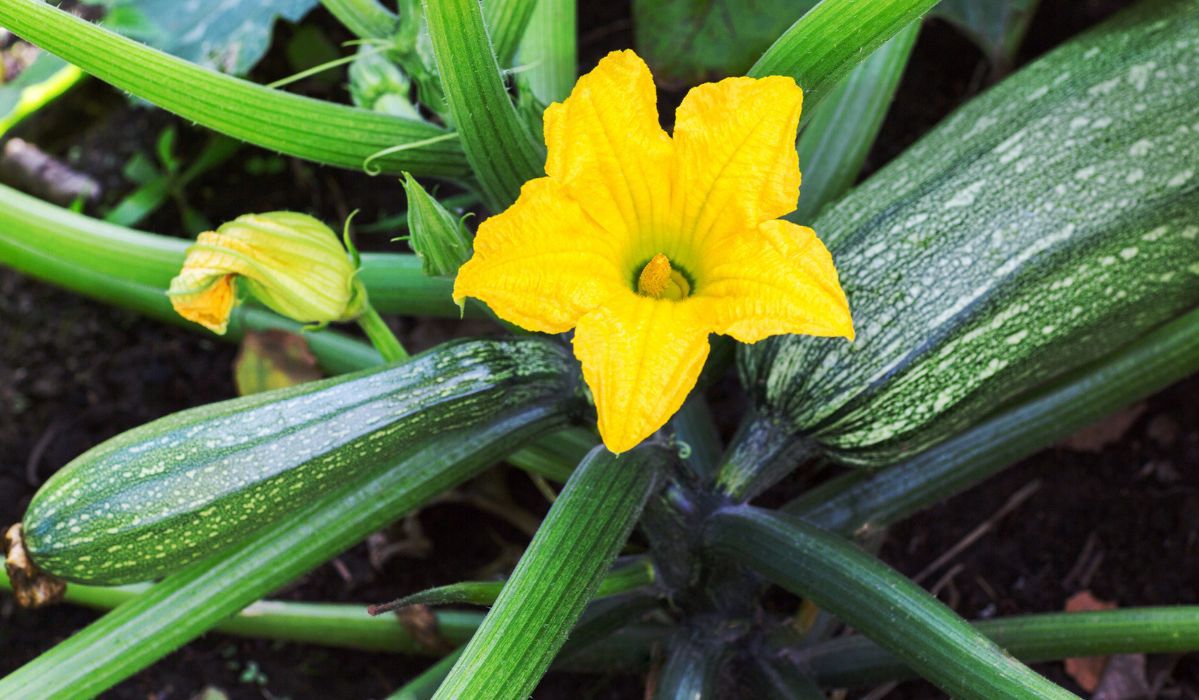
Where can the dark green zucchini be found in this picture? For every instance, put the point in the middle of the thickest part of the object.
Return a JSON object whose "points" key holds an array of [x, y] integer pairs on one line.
{"points": [[169, 492], [1047, 223]]}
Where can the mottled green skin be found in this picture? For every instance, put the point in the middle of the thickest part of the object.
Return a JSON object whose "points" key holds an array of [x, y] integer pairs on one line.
{"points": [[169, 492], [1048, 222]]}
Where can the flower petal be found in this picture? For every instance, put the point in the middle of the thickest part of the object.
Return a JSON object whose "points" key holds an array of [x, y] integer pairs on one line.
{"points": [[781, 280], [736, 164], [607, 148], [205, 297], [641, 357], [542, 263]]}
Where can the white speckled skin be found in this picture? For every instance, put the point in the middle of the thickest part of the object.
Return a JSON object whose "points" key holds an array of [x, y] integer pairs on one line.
{"points": [[162, 495], [1044, 224]]}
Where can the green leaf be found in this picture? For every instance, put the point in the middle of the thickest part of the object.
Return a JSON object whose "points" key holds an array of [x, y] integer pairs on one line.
{"points": [[188, 603], [501, 150], [322, 132], [996, 26], [855, 661], [876, 600], [556, 577], [230, 37], [692, 41], [817, 50], [860, 500], [842, 130], [438, 237], [548, 53]]}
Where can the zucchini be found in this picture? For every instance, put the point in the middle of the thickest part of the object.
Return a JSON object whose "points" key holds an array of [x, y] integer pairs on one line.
{"points": [[1046, 223], [162, 495]]}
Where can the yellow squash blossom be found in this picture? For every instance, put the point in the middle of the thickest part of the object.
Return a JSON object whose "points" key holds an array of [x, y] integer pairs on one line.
{"points": [[645, 243], [291, 262]]}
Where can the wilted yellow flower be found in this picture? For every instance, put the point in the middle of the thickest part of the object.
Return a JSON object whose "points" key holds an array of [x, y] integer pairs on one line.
{"points": [[290, 262], [645, 244]]}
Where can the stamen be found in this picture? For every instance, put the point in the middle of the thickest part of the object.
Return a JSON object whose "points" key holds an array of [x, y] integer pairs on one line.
{"points": [[660, 281]]}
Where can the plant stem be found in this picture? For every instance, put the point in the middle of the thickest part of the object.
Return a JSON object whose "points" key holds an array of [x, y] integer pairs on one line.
{"points": [[855, 661], [328, 624], [381, 336], [870, 596], [817, 50], [366, 19], [498, 145], [556, 577]]}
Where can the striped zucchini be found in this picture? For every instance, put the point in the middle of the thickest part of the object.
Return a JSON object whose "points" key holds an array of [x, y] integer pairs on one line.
{"points": [[1044, 224], [169, 492]]}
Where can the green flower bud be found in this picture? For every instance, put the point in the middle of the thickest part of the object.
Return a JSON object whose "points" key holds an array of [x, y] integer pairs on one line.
{"points": [[437, 236]]}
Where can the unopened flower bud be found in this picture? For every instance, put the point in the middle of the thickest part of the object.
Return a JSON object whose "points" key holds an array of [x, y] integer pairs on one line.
{"points": [[291, 262], [437, 236]]}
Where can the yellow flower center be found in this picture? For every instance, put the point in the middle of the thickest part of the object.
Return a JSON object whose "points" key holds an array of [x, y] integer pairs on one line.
{"points": [[660, 281]]}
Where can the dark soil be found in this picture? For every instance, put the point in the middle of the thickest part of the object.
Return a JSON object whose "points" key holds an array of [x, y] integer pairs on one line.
{"points": [[73, 373]]}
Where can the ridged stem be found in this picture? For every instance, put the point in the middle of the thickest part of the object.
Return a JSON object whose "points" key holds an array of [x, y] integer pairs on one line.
{"points": [[818, 50], [314, 130], [855, 661], [556, 577], [507, 21], [549, 50], [842, 129], [498, 145], [366, 19], [692, 667], [877, 600]]}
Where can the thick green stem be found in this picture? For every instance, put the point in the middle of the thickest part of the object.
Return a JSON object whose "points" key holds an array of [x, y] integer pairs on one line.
{"points": [[507, 21], [855, 661], [327, 624], [367, 19], [315, 130], [381, 335], [556, 577], [842, 130], [818, 50], [498, 145], [877, 600], [762, 452], [549, 50]]}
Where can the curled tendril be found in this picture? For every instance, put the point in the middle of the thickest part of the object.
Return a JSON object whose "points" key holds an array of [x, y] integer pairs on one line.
{"points": [[371, 169]]}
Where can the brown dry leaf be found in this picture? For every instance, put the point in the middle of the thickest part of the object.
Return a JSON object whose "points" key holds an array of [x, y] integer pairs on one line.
{"points": [[421, 623], [1107, 431], [31, 587], [1087, 670], [273, 359]]}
